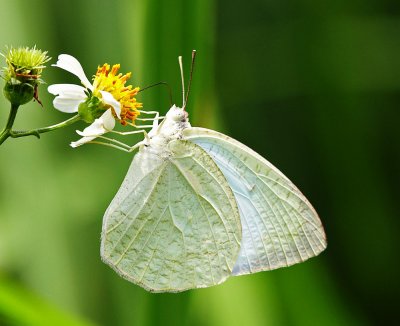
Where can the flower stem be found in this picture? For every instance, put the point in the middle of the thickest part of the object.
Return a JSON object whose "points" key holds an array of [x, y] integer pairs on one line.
{"points": [[8, 132], [11, 118], [37, 132]]}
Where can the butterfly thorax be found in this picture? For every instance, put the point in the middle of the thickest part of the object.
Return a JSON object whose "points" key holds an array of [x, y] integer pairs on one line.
{"points": [[171, 128]]}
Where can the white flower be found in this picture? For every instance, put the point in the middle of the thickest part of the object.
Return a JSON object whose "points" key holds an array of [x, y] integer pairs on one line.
{"points": [[99, 127], [70, 96]]}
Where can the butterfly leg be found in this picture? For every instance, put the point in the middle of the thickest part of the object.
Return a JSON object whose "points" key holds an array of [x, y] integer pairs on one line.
{"points": [[149, 112], [111, 142], [117, 144], [156, 116], [126, 133], [154, 126]]}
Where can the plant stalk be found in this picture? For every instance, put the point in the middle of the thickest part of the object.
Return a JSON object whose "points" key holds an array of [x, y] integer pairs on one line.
{"points": [[37, 132], [8, 132], [11, 118]]}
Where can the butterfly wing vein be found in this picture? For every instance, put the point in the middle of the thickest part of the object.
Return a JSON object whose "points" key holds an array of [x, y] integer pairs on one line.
{"points": [[279, 225], [174, 223]]}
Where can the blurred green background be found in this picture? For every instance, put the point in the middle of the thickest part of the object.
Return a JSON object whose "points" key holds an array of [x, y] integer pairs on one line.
{"points": [[314, 86]]}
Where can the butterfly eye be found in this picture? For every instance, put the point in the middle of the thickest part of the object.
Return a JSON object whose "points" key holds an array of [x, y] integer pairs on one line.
{"points": [[185, 116], [177, 114]]}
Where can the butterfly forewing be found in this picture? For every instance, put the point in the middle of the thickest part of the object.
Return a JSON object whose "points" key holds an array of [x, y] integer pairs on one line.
{"points": [[280, 227], [174, 224]]}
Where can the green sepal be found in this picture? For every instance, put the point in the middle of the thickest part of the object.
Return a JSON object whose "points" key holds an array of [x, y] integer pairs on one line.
{"points": [[19, 93], [91, 109]]}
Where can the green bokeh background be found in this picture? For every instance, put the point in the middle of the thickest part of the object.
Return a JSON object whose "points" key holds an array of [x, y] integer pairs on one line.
{"points": [[312, 85]]}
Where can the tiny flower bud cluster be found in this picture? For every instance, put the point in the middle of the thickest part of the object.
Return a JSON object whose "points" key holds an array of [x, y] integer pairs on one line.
{"points": [[22, 74]]}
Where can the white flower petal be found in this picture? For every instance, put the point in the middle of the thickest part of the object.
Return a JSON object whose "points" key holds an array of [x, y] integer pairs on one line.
{"points": [[108, 120], [67, 104], [94, 130], [110, 100], [69, 63], [81, 141], [69, 97], [57, 89], [99, 127]]}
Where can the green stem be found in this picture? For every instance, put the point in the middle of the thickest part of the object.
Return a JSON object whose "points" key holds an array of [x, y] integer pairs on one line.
{"points": [[8, 132], [11, 118], [37, 132]]}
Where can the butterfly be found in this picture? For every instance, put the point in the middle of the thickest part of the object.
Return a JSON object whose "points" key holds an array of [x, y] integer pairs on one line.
{"points": [[198, 206]]}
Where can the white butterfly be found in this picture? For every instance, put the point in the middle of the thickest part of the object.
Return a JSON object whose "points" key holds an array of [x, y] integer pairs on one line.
{"points": [[197, 206]]}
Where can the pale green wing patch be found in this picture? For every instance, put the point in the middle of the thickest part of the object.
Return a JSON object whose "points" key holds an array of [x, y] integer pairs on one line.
{"points": [[280, 227], [174, 224]]}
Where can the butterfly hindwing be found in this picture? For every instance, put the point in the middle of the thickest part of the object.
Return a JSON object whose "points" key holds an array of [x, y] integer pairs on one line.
{"points": [[280, 227], [174, 224]]}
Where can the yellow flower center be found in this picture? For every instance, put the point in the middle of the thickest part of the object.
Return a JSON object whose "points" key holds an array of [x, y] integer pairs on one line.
{"points": [[114, 83]]}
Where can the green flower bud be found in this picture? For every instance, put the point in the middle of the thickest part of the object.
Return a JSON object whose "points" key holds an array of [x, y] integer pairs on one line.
{"points": [[19, 94], [22, 74]]}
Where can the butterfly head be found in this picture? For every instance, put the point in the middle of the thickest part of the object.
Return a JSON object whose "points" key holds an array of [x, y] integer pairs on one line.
{"points": [[177, 114], [171, 128]]}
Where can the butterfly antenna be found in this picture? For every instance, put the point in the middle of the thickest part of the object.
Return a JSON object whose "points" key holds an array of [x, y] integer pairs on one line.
{"points": [[191, 76], [183, 82], [157, 84]]}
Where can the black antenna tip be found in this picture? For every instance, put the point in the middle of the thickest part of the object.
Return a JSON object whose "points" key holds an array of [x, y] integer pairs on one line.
{"points": [[191, 75]]}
